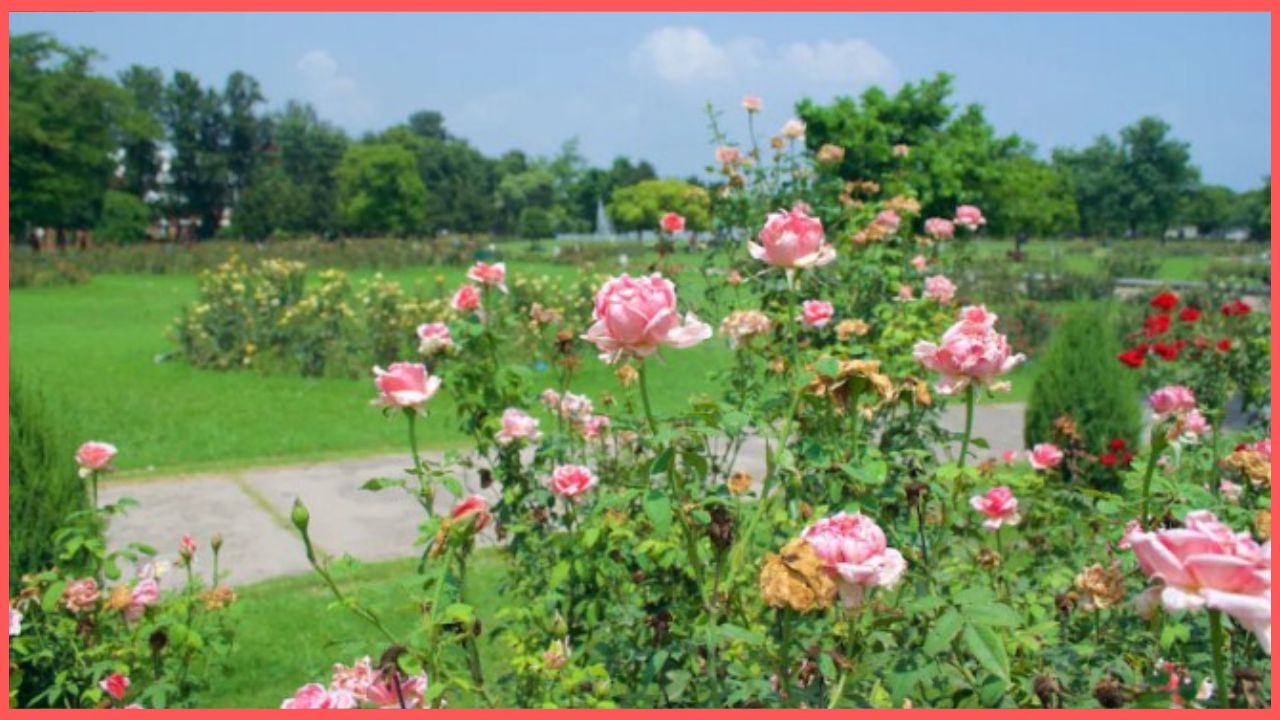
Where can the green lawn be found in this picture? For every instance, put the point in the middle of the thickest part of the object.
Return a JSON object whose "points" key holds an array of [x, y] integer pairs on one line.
{"points": [[288, 631], [93, 351]]}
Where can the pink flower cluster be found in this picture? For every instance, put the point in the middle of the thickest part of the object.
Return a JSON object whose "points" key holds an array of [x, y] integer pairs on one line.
{"points": [[1177, 403], [856, 554], [969, 217], [637, 316], [939, 288], [1207, 565], [359, 684], [434, 338], [792, 239], [939, 228], [578, 411], [971, 352]]}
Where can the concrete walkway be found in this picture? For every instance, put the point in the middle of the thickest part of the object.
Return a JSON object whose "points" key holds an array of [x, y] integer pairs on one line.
{"points": [[250, 508]]}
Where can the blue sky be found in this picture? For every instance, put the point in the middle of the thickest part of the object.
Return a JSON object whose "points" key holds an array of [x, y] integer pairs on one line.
{"points": [[636, 84]]}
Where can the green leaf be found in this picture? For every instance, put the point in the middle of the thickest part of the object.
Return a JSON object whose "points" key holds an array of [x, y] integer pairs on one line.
{"points": [[658, 507], [662, 463], [52, 595], [943, 633], [459, 613], [741, 634], [987, 648], [377, 484], [828, 366], [993, 614]]}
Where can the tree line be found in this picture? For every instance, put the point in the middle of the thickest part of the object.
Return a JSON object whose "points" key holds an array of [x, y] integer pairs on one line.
{"points": [[1140, 183], [117, 154], [126, 155]]}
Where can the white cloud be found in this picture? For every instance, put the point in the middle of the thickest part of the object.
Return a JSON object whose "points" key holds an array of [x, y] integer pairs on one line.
{"points": [[688, 56], [334, 94]]}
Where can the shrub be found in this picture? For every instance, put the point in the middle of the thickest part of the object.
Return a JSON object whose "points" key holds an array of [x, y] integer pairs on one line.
{"points": [[43, 485], [1080, 378], [124, 218]]}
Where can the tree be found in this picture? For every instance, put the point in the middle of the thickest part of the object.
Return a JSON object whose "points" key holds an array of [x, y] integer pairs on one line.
{"points": [[1212, 209], [952, 156], [380, 191], [307, 150], [124, 218], [141, 129], [246, 132], [199, 168], [1159, 172], [1031, 197], [641, 206], [459, 179], [61, 120], [1099, 184]]}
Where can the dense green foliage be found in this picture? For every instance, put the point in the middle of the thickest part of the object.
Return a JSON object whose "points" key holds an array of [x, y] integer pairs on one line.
{"points": [[44, 488], [1079, 378]]}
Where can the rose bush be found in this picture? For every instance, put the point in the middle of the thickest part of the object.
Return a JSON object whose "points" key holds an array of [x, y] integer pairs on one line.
{"points": [[879, 560]]}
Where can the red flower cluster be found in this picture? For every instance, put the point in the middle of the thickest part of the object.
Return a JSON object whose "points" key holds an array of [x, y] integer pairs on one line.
{"points": [[1117, 454], [1236, 308], [1160, 323]]}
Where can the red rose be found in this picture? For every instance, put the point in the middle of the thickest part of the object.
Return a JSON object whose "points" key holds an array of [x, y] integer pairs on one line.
{"points": [[1189, 315], [1168, 352], [1126, 459], [1224, 344], [1133, 357], [1165, 301], [1107, 459], [1117, 445], [1155, 325]]}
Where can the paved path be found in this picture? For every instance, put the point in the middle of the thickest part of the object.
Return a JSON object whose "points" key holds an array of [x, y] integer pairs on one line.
{"points": [[250, 508]]}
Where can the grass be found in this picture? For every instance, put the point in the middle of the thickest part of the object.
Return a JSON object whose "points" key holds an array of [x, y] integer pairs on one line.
{"points": [[94, 351], [290, 632]]}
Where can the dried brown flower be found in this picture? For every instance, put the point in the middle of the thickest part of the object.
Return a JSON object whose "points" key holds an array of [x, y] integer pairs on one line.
{"points": [[739, 482], [796, 578], [1100, 588]]}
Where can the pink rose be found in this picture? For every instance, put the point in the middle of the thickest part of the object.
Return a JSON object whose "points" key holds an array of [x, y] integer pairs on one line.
{"points": [[575, 407], [15, 622], [969, 217], [144, 594], [906, 292], [940, 288], [1231, 492], [817, 313], [901, 150], [517, 425], [551, 399], [1009, 456], [793, 129], [728, 156], [1044, 456], [1171, 400], [856, 554], [473, 506], [830, 154], [888, 220], [355, 679], [939, 228], [467, 299], [637, 316], [571, 481], [1190, 427], [187, 547], [1206, 564], [999, 505], [94, 457], [492, 275], [672, 223], [919, 262], [81, 595], [971, 352], [314, 696], [752, 104], [1262, 446], [594, 426], [382, 692], [433, 338], [115, 685], [792, 239], [404, 385]]}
